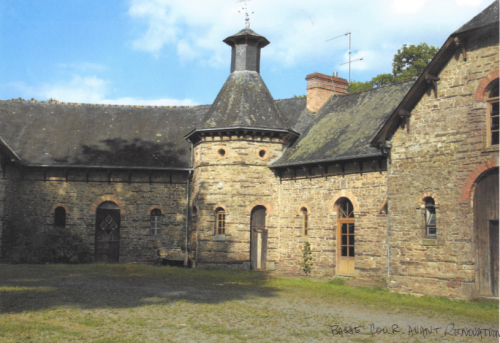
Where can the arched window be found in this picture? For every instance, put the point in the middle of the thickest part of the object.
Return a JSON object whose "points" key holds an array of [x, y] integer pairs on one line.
{"points": [[345, 237], [430, 217], [60, 217], [156, 219], [220, 221], [345, 209], [305, 221], [493, 124]]}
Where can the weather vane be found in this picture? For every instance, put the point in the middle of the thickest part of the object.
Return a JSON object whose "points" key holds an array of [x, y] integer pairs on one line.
{"points": [[247, 16]]}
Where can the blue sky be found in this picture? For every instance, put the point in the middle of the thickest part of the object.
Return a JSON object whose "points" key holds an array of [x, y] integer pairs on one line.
{"points": [[170, 52]]}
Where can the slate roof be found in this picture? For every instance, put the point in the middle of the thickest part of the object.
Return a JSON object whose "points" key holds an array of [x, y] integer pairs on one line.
{"points": [[292, 109], [486, 17], [246, 33], [86, 135], [344, 127], [245, 101], [56, 134]]}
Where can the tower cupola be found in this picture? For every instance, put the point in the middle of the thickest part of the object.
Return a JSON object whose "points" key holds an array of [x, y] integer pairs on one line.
{"points": [[245, 54]]}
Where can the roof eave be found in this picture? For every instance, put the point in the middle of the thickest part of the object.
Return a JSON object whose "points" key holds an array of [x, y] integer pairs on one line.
{"points": [[330, 160], [194, 132], [420, 87], [416, 91]]}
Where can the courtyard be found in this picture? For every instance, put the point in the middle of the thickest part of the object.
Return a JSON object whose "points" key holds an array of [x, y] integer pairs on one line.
{"points": [[138, 303]]}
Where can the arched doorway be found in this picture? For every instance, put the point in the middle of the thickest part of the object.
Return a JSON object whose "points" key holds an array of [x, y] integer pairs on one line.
{"points": [[107, 232], [486, 233], [258, 239], [345, 237]]}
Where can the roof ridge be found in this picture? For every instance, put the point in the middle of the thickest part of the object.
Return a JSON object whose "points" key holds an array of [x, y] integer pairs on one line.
{"points": [[51, 102], [294, 98], [382, 86]]}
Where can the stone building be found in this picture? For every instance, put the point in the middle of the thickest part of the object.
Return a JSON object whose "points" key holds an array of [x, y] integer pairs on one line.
{"points": [[399, 182]]}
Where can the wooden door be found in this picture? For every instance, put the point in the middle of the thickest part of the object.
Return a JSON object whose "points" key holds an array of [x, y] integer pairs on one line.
{"points": [[107, 233], [486, 234], [345, 238], [258, 239]]}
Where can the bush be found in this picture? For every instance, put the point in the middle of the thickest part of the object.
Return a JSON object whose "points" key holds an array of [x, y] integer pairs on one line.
{"points": [[57, 245], [306, 258]]}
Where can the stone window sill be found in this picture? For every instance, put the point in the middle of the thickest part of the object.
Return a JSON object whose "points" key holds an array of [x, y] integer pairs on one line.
{"points": [[220, 238], [428, 241], [154, 238], [490, 149], [304, 239]]}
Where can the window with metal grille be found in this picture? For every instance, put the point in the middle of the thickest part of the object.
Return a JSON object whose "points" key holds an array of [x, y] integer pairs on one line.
{"points": [[430, 217], [493, 117], [305, 221], [60, 217], [220, 221], [156, 219]]}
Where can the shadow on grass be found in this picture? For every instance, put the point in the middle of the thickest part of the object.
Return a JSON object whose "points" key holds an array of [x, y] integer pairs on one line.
{"points": [[39, 287]]}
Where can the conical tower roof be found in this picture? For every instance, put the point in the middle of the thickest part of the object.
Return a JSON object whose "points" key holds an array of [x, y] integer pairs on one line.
{"points": [[245, 101]]}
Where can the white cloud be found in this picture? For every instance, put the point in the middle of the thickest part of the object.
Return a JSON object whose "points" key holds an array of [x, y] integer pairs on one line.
{"points": [[408, 7], [88, 89], [469, 3], [297, 29]]}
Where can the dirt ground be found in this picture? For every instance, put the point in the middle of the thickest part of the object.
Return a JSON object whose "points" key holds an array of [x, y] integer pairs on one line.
{"points": [[100, 306]]}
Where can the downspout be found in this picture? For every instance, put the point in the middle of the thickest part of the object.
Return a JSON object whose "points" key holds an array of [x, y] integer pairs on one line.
{"points": [[196, 237], [388, 222], [186, 257], [386, 150]]}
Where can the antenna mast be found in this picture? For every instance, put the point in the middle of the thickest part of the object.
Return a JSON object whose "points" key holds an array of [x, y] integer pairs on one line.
{"points": [[359, 59], [247, 16]]}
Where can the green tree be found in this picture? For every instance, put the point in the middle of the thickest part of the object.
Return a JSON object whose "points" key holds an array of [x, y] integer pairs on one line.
{"points": [[359, 86], [408, 62], [411, 60]]}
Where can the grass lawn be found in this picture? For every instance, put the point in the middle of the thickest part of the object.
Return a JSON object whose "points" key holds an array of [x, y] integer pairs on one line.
{"points": [[137, 303]]}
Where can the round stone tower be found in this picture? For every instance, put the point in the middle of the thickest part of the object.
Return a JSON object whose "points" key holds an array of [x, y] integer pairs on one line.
{"points": [[234, 193]]}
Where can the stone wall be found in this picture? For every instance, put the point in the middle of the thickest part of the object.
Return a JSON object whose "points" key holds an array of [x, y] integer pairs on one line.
{"points": [[438, 158], [319, 194], [35, 193], [236, 180]]}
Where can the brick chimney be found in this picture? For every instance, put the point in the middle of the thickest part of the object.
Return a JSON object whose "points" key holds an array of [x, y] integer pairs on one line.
{"points": [[321, 88]]}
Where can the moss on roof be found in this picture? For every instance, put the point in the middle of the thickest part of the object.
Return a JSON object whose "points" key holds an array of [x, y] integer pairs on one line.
{"points": [[345, 126]]}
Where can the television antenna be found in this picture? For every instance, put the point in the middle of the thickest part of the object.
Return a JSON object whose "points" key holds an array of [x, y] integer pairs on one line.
{"points": [[350, 61], [247, 16]]}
